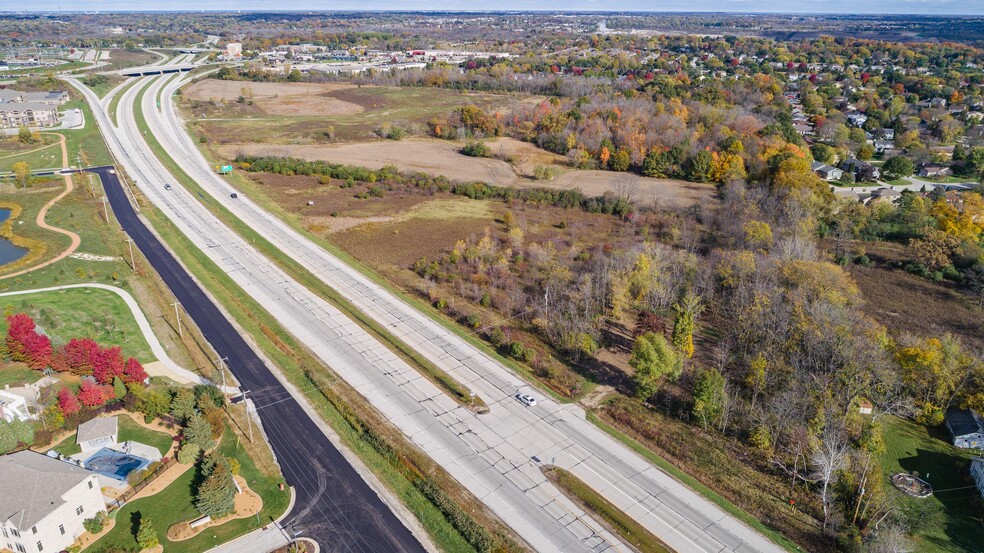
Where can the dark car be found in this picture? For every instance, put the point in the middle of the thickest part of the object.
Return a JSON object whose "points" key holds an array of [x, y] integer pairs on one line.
{"points": [[233, 195]]}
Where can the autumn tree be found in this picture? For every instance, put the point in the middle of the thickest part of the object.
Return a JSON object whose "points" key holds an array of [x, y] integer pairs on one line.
{"points": [[80, 355], [22, 172], [147, 536], [91, 395], [687, 310], [898, 167], [654, 360], [68, 402], [134, 372], [934, 249], [709, 396]]}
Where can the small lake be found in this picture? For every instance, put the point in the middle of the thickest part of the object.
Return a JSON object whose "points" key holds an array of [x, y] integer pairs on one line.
{"points": [[9, 252]]}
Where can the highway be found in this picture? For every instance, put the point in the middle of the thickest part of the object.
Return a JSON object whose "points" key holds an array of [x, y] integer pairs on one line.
{"points": [[334, 505], [496, 456]]}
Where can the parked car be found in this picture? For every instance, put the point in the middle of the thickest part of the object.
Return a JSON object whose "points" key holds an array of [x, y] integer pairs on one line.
{"points": [[526, 399]]}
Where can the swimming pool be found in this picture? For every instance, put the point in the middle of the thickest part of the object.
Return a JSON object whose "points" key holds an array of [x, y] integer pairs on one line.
{"points": [[114, 464]]}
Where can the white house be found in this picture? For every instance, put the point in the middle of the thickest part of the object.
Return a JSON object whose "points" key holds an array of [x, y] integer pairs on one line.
{"points": [[966, 428], [97, 434], [13, 406], [977, 471], [44, 502]]}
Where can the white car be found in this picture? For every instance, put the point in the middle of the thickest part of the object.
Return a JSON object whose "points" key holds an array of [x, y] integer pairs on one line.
{"points": [[167, 186], [526, 399]]}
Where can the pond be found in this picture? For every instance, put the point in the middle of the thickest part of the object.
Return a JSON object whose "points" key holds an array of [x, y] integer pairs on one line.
{"points": [[8, 251]]}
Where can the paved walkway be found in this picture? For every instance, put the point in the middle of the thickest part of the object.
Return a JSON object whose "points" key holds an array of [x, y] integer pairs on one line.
{"points": [[41, 223], [170, 368]]}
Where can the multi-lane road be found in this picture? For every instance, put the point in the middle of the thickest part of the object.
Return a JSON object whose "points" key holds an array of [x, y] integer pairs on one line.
{"points": [[498, 456]]}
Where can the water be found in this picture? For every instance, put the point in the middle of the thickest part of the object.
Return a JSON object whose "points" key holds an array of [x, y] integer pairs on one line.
{"points": [[115, 464], [9, 252]]}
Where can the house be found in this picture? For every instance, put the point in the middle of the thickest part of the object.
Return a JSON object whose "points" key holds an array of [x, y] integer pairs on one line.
{"points": [[966, 428], [826, 172], [932, 171], [977, 471], [11, 95], [857, 119], [27, 114], [865, 407], [97, 433], [44, 502], [50, 98], [863, 171], [883, 145], [885, 195], [13, 406]]}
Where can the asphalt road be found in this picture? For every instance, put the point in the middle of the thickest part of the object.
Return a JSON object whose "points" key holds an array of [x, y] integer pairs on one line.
{"points": [[334, 505]]}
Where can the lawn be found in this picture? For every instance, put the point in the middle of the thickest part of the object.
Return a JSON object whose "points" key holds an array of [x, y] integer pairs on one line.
{"points": [[87, 139], [129, 430], [16, 374], [38, 156], [176, 503], [911, 447], [83, 312]]}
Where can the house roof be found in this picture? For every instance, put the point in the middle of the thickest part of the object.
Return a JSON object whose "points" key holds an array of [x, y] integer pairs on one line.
{"points": [[963, 422], [24, 106], [32, 486], [97, 428]]}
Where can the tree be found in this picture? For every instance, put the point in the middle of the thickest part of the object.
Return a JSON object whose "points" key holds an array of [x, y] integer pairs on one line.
{"points": [[154, 403], [898, 167], [147, 535], [133, 372], [91, 395], [14, 433], [827, 459], [24, 135], [700, 167], [823, 153], [68, 402], [108, 364], [199, 432], [654, 360], [934, 249], [216, 496], [188, 454], [22, 172], [866, 152], [709, 396], [183, 404], [80, 355], [687, 311], [119, 389]]}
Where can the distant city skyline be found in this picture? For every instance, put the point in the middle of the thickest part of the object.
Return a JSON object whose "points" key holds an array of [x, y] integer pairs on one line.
{"points": [[869, 7]]}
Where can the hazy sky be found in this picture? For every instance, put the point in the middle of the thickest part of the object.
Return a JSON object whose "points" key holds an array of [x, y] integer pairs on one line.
{"points": [[940, 7]]}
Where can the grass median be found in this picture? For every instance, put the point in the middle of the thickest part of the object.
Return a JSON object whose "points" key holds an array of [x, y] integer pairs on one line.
{"points": [[448, 384]]}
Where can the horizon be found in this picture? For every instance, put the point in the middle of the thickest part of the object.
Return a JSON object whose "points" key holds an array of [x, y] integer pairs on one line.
{"points": [[884, 8]]}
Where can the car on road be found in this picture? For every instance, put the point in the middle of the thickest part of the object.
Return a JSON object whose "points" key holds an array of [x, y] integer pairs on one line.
{"points": [[233, 195], [526, 399], [112, 171], [167, 186]]}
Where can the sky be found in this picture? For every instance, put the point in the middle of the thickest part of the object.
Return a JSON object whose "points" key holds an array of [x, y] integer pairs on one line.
{"points": [[932, 7]]}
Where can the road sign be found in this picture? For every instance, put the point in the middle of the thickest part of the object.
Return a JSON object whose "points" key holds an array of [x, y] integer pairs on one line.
{"points": [[225, 169]]}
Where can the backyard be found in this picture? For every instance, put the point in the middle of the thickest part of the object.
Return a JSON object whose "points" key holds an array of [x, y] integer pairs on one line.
{"points": [[950, 519], [129, 430]]}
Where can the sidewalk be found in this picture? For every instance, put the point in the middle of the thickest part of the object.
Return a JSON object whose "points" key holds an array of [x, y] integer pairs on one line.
{"points": [[263, 540]]}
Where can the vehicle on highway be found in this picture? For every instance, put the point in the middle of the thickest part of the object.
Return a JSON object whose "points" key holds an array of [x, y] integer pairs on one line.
{"points": [[233, 195], [526, 399], [167, 186]]}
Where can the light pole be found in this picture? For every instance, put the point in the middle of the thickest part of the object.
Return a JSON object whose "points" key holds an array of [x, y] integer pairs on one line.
{"points": [[177, 317], [105, 208], [133, 264], [221, 364]]}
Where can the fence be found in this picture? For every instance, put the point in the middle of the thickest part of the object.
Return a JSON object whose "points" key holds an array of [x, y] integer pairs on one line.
{"points": [[121, 500]]}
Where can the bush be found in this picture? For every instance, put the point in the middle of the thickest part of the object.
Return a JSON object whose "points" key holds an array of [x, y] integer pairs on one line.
{"points": [[95, 524], [477, 149], [474, 533]]}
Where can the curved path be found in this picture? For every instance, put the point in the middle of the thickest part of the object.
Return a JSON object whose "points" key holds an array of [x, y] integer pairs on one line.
{"points": [[156, 348], [41, 223]]}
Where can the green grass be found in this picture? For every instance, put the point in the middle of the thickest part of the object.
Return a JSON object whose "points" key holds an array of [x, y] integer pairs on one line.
{"points": [[68, 447], [442, 379], [43, 157], [16, 374], [83, 312], [130, 431], [115, 102], [694, 484], [911, 447], [67, 66], [625, 526], [175, 503], [87, 139]]}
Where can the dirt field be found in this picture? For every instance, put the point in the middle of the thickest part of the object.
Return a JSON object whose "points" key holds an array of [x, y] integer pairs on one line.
{"points": [[278, 98], [439, 157]]}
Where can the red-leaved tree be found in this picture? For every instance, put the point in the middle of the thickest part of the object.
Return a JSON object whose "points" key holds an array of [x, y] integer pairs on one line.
{"points": [[133, 371], [80, 355], [38, 349], [91, 395], [68, 402], [19, 327], [108, 364]]}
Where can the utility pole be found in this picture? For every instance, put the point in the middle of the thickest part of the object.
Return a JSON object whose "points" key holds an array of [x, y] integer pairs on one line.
{"points": [[221, 363], [249, 420], [133, 264], [177, 317], [105, 208]]}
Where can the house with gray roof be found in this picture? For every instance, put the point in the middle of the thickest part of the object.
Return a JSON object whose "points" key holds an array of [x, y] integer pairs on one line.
{"points": [[97, 433], [44, 502], [966, 428]]}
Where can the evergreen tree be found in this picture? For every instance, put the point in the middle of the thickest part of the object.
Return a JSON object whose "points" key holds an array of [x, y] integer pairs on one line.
{"points": [[217, 495], [700, 167], [198, 432], [147, 535], [687, 311], [183, 404]]}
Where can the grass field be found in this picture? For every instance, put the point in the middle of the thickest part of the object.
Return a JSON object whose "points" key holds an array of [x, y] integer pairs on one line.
{"points": [[911, 447], [83, 312], [86, 140], [15, 374], [175, 504], [67, 66], [37, 156]]}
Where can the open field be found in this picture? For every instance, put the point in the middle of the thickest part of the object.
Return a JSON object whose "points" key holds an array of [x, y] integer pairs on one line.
{"points": [[120, 58], [302, 113], [43, 155], [439, 157], [83, 312], [911, 447]]}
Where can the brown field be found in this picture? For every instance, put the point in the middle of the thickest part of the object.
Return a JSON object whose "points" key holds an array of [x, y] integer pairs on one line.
{"points": [[439, 157], [288, 99], [906, 303]]}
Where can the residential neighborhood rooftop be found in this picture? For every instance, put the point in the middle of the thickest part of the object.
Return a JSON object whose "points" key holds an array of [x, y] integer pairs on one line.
{"points": [[32, 486]]}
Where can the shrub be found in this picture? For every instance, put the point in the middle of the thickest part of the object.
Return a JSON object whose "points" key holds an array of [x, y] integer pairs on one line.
{"points": [[477, 149], [95, 524]]}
